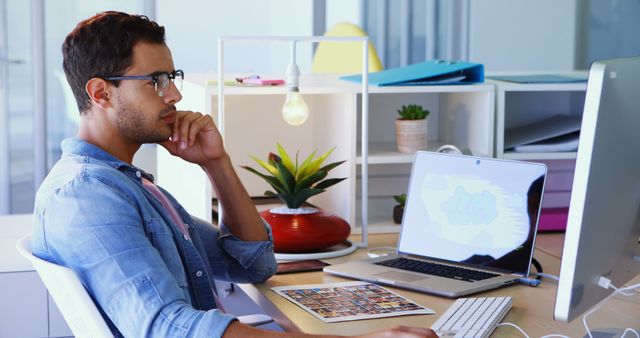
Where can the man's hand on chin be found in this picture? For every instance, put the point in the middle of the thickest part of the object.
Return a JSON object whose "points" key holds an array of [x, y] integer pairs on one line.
{"points": [[195, 138]]}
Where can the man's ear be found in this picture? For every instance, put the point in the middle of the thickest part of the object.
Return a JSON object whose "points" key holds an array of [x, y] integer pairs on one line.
{"points": [[98, 91]]}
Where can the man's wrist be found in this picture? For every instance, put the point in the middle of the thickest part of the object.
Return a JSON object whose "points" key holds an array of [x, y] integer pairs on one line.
{"points": [[213, 165]]}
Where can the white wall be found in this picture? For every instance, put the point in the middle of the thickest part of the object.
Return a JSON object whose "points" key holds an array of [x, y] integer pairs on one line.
{"points": [[344, 11], [523, 34], [503, 34], [193, 27]]}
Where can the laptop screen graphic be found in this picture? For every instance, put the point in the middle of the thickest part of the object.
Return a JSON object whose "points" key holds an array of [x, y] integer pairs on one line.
{"points": [[471, 210]]}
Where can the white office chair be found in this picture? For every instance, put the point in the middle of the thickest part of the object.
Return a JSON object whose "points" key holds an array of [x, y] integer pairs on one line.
{"points": [[75, 304]]}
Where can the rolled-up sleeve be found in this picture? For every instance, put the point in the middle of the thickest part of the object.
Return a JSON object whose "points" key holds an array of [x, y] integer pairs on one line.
{"points": [[236, 260]]}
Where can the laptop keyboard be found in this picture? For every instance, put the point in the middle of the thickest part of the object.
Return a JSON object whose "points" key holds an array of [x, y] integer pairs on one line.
{"points": [[441, 270]]}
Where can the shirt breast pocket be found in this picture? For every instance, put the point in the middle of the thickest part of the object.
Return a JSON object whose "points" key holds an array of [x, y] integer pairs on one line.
{"points": [[162, 238]]}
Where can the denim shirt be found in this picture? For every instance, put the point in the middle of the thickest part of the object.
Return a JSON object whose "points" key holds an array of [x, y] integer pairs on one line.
{"points": [[93, 215]]}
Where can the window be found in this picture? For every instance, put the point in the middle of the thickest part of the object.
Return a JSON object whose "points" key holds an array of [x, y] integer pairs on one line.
{"points": [[33, 125]]}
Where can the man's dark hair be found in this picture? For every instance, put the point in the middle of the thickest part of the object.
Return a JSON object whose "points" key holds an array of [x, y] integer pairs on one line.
{"points": [[102, 46]]}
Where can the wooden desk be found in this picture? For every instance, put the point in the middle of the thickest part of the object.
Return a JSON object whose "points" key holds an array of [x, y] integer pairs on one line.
{"points": [[532, 307]]}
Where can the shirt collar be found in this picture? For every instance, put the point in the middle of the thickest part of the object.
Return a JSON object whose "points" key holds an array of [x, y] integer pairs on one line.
{"points": [[76, 146]]}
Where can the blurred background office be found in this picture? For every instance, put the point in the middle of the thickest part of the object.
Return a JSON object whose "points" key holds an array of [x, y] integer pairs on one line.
{"points": [[37, 109]]}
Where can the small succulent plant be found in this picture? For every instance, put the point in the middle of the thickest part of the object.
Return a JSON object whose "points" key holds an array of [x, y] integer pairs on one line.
{"points": [[295, 182], [413, 112], [400, 199]]}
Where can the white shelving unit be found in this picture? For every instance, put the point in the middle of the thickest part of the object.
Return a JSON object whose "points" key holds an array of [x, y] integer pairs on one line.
{"points": [[521, 104], [461, 115]]}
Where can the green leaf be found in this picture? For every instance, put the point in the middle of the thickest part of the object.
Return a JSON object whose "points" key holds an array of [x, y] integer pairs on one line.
{"points": [[413, 112], [273, 158], [286, 177], [309, 180], [302, 169], [401, 199], [271, 169], [314, 166], [272, 181], [303, 195], [330, 166], [269, 193], [288, 199], [286, 160], [327, 183]]}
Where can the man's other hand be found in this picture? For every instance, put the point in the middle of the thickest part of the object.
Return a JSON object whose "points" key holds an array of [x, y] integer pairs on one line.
{"points": [[402, 332]]}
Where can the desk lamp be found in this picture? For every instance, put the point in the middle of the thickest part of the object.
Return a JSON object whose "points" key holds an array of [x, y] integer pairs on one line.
{"points": [[295, 111]]}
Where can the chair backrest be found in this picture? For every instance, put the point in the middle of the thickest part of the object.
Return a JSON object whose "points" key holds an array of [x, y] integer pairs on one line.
{"points": [[75, 304], [343, 57]]}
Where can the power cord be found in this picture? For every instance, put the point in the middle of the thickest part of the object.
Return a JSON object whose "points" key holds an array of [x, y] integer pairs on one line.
{"points": [[537, 265], [380, 251], [545, 275], [516, 327], [533, 281], [606, 284]]}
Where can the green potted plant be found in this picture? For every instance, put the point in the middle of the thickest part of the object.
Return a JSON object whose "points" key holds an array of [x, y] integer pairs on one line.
{"points": [[398, 209], [411, 128], [298, 228]]}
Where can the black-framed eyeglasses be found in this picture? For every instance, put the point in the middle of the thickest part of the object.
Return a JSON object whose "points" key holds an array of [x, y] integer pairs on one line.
{"points": [[160, 80]]}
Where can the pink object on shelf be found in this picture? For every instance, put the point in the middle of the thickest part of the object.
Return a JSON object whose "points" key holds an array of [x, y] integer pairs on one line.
{"points": [[263, 82], [553, 219]]}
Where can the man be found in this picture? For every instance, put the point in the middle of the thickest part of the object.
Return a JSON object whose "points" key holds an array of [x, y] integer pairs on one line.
{"points": [[148, 265]]}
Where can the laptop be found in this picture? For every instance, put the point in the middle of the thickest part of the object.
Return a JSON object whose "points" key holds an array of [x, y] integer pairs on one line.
{"points": [[469, 225]]}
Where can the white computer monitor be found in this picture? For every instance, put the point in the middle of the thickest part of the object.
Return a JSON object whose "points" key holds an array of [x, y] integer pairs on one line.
{"points": [[603, 227]]}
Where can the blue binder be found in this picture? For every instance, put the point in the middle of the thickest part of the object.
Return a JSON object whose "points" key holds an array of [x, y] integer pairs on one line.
{"points": [[433, 72]]}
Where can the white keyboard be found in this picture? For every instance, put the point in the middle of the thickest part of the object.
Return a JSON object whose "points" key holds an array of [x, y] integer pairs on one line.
{"points": [[472, 317]]}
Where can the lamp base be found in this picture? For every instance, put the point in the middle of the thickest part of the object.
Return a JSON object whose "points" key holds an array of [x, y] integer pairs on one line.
{"points": [[337, 250]]}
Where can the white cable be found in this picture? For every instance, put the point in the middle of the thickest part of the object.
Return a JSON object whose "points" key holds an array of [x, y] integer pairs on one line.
{"points": [[516, 326], [630, 330], [386, 250], [604, 281], [624, 292], [617, 290]]}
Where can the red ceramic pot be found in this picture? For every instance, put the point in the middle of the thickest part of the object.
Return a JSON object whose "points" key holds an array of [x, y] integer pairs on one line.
{"points": [[308, 232]]}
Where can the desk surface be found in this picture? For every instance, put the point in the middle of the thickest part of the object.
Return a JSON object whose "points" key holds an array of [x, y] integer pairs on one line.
{"points": [[532, 308]]}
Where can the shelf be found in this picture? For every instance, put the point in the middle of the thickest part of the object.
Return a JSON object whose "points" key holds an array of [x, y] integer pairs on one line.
{"points": [[519, 105], [539, 87], [541, 156], [386, 153], [532, 87], [326, 84]]}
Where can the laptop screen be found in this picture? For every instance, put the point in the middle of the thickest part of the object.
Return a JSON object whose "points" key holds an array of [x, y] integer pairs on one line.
{"points": [[473, 210]]}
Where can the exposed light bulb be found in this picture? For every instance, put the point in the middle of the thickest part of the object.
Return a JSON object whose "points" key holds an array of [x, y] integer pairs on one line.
{"points": [[294, 110]]}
